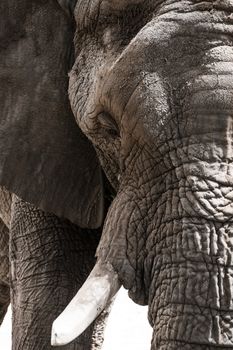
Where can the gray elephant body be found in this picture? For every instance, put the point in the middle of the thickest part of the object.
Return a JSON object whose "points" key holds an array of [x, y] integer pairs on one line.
{"points": [[151, 87], [46, 160], [44, 259]]}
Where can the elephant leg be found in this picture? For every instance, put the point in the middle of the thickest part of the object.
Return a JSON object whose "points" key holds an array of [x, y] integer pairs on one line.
{"points": [[50, 259], [4, 270]]}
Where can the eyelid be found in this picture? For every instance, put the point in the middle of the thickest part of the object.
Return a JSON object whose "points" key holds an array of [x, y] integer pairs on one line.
{"points": [[107, 121]]}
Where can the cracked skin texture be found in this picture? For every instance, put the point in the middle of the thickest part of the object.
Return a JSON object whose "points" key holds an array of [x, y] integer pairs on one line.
{"points": [[151, 87], [50, 260]]}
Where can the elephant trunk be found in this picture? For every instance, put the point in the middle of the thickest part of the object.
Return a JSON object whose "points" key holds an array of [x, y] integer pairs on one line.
{"points": [[175, 247], [190, 250], [190, 245], [191, 291]]}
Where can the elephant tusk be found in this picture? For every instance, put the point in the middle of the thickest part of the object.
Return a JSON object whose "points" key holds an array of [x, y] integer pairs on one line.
{"points": [[92, 298]]}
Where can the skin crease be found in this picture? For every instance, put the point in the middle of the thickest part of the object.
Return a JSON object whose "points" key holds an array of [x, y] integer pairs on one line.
{"points": [[151, 87]]}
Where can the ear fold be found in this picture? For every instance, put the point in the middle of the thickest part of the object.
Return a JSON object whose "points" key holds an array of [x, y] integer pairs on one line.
{"points": [[68, 6], [44, 157]]}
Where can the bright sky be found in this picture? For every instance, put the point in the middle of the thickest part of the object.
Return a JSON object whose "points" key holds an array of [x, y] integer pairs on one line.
{"points": [[127, 328], [5, 332]]}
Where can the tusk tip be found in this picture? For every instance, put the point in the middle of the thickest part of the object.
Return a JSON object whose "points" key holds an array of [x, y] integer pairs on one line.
{"points": [[58, 338], [54, 337]]}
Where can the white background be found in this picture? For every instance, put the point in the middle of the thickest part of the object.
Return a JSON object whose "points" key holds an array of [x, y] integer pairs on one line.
{"points": [[127, 328]]}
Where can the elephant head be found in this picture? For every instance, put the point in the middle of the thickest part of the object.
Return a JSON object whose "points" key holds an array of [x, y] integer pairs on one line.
{"points": [[151, 87]]}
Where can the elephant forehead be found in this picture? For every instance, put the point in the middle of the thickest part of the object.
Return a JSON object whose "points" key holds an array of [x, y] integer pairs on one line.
{"points": [[209, 86], [210, 91], [170, 43]]}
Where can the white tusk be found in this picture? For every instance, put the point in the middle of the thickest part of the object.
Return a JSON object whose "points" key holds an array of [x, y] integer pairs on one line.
{"points": [[92, 298]]}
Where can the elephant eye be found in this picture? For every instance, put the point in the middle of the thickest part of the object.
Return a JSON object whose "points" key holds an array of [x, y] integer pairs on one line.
{"points": [[108, 125]]}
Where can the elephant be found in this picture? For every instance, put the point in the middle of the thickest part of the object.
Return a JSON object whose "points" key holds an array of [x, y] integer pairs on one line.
{"points": [[150, 89], [53, 194]]}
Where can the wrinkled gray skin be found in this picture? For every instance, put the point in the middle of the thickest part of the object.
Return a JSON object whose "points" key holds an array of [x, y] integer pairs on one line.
{"points": [[151, 87], [49, 261]]}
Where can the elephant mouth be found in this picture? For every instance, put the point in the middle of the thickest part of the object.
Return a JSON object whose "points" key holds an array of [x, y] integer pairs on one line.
{"points": [[94, 296]]}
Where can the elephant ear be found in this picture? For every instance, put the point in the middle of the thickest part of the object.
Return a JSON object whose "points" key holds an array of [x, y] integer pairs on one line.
{"points": [[44, 157]]}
